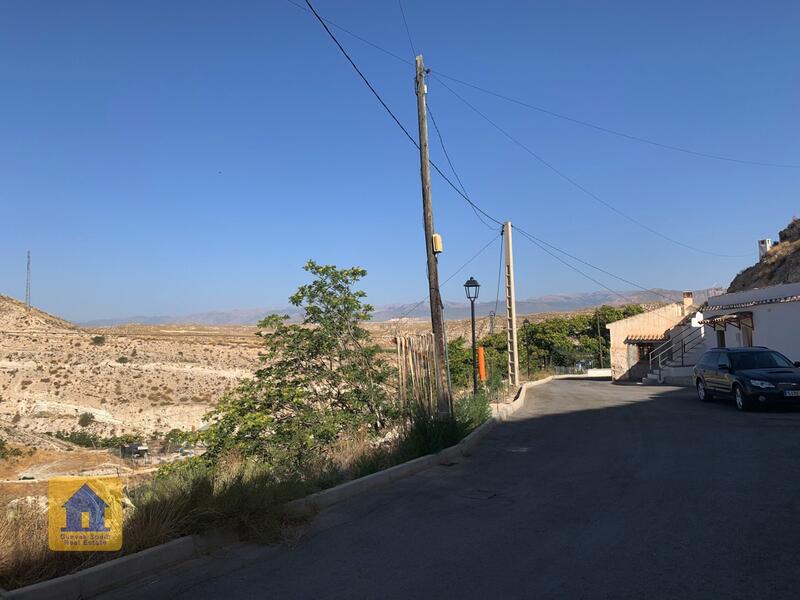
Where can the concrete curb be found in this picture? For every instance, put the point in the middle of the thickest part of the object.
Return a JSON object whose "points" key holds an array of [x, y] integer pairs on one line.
{"points": [[126, 569], [334, 495]]}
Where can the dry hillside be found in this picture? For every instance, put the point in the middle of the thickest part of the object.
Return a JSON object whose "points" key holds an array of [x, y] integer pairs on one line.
{"points": [[132, 379], [780, 265]]}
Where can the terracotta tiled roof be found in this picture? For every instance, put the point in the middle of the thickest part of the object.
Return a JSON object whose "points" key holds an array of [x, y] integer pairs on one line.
{"points": [[635, 338]]}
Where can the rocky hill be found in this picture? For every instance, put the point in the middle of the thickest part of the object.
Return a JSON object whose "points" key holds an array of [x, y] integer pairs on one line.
{"points": [[141, 379], [780, 265], [16, 316]]}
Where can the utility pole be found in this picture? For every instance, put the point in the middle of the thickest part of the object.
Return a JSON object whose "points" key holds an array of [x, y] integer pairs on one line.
{"points": [[28, 283], [444, 401], [511, 309], [599, 337]]}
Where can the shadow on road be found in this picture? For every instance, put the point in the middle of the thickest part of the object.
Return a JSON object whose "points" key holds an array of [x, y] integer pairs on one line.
{"points": [[593, 490]]}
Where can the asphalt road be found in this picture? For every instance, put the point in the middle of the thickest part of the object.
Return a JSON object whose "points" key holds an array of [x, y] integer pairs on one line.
{"points": [[593, 491]]}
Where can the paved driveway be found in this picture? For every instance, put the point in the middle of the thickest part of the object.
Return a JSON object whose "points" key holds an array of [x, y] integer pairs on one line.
{"points": [[593, 491]]}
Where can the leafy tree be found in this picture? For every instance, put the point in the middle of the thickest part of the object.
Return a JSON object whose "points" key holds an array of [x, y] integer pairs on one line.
{"points": [[320, 378], [496, 355], [459, 358], [563, 341]]}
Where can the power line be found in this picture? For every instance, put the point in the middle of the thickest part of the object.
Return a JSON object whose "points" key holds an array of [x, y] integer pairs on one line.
{"points": [[354, 35], [577, 185], [541, 243], [28, 284], [393, 116], [456, 272], [616, 132], [408, 31], [449, 162], [461, 193], [571, 266], [542, 246], [363, 77], [558, 115], [464, 195]]}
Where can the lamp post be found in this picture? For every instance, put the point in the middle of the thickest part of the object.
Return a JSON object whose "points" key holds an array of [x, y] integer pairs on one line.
{"points": [[472, 287], [525, 324]]}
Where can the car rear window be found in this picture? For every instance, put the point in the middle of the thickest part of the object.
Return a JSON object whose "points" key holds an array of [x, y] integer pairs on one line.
{"points": [[709, 359]]}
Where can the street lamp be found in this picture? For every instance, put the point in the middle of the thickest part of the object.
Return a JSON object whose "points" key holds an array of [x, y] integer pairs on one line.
{"points": [[525, 324], [472, 287]]}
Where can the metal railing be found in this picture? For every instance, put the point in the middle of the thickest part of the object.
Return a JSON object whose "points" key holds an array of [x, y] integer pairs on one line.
{"points": [[676, 348]]}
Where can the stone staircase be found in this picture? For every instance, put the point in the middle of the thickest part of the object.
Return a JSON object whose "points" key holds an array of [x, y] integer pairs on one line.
{"points": [[672, 361]]}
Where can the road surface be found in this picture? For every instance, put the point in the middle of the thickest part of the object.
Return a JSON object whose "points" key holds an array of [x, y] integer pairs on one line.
{"points": [[594, 490]]}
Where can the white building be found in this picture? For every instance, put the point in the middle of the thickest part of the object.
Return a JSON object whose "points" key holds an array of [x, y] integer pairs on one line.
{"points": [[768, 316]]}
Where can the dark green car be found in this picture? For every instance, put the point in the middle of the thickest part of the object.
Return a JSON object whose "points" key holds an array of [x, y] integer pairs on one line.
{"points": [[753, 376]]}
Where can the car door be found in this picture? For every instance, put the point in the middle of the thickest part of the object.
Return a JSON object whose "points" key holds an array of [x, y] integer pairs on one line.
{"points": [[724, 377], [707, 368]]}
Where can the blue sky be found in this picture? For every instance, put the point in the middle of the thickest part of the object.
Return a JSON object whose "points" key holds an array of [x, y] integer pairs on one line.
{"points": [[167, 158]]}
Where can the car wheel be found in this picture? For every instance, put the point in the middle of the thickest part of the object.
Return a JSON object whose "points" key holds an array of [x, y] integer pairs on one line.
{"points": [[743, 403], [702, 392]]}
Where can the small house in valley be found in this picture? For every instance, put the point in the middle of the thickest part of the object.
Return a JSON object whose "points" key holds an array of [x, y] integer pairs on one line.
{"points": [[637, 340]]}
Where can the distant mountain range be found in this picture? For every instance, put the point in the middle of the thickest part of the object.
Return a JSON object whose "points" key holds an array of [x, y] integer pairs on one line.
{"points": [[453, 310]]}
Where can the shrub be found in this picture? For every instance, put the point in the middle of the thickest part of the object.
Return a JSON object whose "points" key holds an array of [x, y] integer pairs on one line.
{"points": [[98, 340], [184, 498], [92, 440], [428, 434], [122, 359], [86, 419], [7, 451]]}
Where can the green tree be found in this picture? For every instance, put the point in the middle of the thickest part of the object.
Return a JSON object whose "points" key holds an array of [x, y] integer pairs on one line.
{"points": [[459, 358], [496, 355], [320, 378]]}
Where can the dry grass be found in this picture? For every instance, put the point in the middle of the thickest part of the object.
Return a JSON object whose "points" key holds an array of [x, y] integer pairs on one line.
{"points": [[190, 499]]}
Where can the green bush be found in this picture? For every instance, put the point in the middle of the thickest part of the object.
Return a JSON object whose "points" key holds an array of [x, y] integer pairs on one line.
{"points": [[98, 340], [428, 434], [86, 419], [91, 440], [7, 451], [471, 411]]}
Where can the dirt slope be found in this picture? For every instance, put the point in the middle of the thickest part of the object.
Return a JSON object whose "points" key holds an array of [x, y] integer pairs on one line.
{"points": [[780, 265], [15, 316], [131, 379]]}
